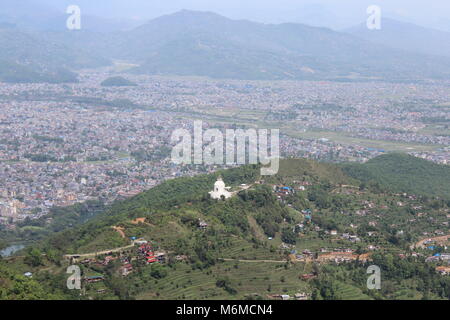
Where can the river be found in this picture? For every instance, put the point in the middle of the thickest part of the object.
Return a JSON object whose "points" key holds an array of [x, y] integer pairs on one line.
{"points": [[11, 250]]}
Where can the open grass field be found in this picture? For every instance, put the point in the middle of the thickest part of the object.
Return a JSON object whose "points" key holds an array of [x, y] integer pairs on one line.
{"points": [[121, 66], [256, 118], [340, 137]]}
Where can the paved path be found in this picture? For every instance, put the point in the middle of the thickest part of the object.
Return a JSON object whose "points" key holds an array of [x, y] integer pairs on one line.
{"points": [[98, 253]]}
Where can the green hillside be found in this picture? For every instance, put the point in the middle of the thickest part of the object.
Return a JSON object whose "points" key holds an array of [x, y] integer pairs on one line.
{"points": [[192, 43], [404, 173], [243, 250], [207, 44], [406, 36], [36, 57], [305, 169], [13, 72]]}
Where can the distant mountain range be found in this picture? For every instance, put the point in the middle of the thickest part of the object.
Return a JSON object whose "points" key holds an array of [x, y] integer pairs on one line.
{"points": [[406, 36], [207, 44], [193, 43], [32, 57], [36, 16]]}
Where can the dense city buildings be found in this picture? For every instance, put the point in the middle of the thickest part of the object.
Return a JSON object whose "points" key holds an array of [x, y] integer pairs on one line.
{"points": [[66, 143]]}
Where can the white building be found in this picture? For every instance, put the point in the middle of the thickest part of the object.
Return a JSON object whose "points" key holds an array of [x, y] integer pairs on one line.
{"points": [[220, 190]]}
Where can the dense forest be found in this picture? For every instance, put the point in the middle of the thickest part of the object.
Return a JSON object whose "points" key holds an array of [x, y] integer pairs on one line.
{"points": [[403, 173]]}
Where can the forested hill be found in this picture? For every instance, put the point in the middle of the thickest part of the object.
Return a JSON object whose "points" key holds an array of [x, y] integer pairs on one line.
{"points": [[211, 246], [207, 44], [117, 82], [192, 43], [392, 173], [162, 198], [404, 173], [33, 57]]}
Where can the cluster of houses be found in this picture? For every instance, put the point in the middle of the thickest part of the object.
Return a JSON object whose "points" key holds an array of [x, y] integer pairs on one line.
{"points": [[436, 258], [145, 251], [282, 191], [430, 243], [304, 256], [439, 257], [150, 256], [340, 257], [126, 267], [443, 270], [350, 237], [98, 262], [336, 256], [92, 279]]}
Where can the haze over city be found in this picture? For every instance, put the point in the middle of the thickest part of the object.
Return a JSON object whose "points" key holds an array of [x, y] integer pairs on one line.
{"points": [[224, 150]]}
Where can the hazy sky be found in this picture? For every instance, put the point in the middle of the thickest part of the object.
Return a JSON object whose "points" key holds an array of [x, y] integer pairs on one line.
{"points": [[334, 13]]}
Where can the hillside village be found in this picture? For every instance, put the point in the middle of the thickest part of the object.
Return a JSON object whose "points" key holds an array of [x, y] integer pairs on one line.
{"points": [[308, 237]]}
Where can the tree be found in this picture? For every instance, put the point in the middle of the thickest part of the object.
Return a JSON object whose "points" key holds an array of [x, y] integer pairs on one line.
{"points": [[33, 257], [225, 283], [288, 236], [158, 271]]}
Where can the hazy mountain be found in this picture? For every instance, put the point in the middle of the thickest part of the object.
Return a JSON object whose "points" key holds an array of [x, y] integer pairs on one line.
{"points": [[207, 44], [22, 8], [318, 15], [406, 36], [32, 57], [36, 16], [117, 82], [29, 14]]}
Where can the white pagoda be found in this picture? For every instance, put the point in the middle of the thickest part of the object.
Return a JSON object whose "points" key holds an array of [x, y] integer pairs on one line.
{"points": [[220, 190]]}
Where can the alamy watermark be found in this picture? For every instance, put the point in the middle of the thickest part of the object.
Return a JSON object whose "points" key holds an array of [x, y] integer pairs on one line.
{"points": [[374, 19], [213, 147], [74, 20], [374, 280], [74, 280]]}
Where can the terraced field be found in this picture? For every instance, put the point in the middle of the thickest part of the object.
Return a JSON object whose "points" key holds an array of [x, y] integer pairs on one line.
{"points": [[349, 292], [258, 278], [241, 249]]}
